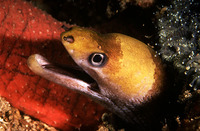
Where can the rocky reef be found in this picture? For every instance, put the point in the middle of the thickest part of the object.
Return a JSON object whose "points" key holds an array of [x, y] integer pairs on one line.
{"points": [[179, 41]]}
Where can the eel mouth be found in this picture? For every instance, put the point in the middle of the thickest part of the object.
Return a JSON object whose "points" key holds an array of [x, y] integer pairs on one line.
{"points": [[71, 77]]}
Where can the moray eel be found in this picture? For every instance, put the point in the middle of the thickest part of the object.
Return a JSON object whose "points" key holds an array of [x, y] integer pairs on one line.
{"points": [[128, 76]]}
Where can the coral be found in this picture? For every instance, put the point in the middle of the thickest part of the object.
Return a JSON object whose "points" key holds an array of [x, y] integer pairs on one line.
{"points": [[115, 7], [179, 38], [179, 41], [12, 119], [145, 3], [25, 30]]}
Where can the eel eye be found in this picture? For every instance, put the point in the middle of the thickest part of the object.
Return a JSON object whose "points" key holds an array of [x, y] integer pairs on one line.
{"points": [[69, 39], [97, 59]]}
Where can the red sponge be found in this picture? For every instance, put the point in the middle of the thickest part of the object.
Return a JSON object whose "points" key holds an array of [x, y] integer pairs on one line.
{"points": [[26, 30]]}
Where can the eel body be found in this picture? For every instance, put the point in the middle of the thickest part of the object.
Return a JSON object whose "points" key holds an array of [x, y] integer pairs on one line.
{"points": [[127, 76]]}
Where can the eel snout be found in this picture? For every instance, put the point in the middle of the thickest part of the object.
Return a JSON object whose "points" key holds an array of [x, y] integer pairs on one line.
{"points": [[41, 66], [74, 79]]}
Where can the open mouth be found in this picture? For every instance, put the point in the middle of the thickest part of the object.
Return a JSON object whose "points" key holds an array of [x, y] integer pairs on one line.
{"points": [[74, 72], [71, 77]]}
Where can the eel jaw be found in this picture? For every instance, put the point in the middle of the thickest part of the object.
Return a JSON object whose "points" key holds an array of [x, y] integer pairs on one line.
{"points": [[42, 67]]}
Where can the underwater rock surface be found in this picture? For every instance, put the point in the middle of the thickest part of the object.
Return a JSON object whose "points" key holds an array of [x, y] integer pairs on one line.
{"points": [[179, 41]]}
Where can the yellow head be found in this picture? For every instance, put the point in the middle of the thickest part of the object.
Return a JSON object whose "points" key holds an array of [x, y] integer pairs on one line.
{"points": [[123, 67], [129, 76]]}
